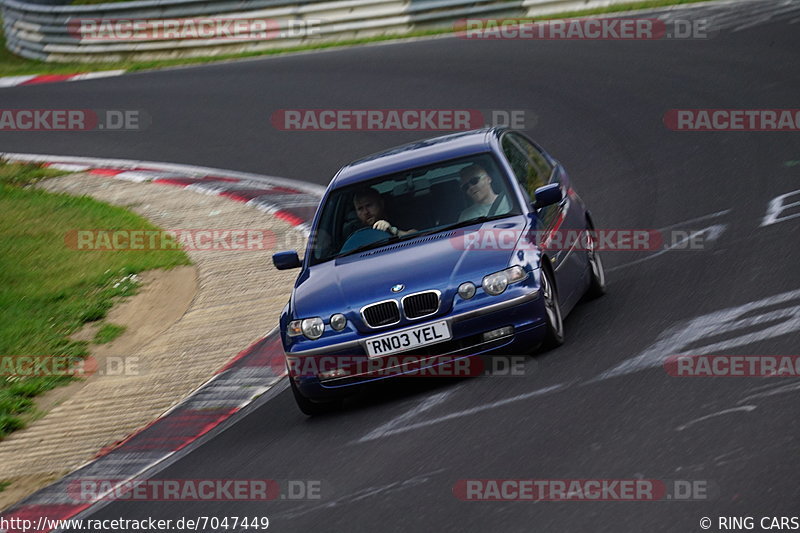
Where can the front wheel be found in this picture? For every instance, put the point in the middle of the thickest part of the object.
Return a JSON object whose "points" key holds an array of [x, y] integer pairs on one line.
{"points": [[597, 273], [311, 408], [554, 335]]}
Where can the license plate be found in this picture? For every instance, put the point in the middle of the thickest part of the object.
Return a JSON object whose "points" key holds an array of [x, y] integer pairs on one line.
{"points": [[407, 339]]}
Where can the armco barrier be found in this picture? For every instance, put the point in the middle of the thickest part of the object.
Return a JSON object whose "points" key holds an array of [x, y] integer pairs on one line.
{"points": [[48, 32]]}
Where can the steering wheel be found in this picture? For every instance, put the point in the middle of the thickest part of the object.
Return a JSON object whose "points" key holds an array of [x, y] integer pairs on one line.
{"points": [[363, 237]]}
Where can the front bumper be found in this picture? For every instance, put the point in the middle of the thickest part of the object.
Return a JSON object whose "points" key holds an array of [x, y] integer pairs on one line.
{"points": [[524, 313]]}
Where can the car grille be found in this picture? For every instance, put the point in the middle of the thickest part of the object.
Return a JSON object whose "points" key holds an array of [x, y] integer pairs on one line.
{"points": [[381, 314], [422, 304]]}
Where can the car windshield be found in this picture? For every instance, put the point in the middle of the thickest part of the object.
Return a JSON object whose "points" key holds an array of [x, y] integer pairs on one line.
{"points": [[401, 206]]}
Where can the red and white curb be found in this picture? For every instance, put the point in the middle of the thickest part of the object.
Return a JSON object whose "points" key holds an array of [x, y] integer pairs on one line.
{"points": [[36, 79], [246, 377], [292, 201]]}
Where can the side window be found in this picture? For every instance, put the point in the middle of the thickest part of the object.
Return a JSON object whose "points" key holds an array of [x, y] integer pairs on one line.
{"points": [[530, 167], [532, 171], [322, 239], [542, 167], [519, 163]]}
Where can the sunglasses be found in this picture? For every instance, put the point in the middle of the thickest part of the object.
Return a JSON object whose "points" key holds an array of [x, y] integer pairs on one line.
{"points": [[467, 184]]}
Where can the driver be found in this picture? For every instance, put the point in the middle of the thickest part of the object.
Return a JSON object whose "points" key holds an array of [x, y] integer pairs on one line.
{"points": [[477, 183], [370, 210]]}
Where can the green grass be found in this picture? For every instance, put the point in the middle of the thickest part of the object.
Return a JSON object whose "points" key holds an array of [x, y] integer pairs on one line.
{"points": [[24, 174], [107, 333], [48, 290], [4, 485], [11, 65]]}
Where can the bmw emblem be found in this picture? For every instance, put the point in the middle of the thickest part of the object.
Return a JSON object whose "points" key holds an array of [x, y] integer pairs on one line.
{"points": [[399, 287]]}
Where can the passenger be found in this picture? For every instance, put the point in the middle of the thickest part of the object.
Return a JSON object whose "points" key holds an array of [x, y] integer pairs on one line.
{"points": [[370, 209], [477, 184]]}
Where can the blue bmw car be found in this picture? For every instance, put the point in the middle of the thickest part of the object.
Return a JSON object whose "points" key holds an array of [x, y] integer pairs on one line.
{"points": [[434, 252]]}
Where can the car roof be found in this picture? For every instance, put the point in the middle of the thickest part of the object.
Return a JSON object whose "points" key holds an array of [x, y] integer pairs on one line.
{"points": [[416, 154]]}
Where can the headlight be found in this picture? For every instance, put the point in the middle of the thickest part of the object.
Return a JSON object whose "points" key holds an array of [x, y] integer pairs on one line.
{"points": [[310, 327], [338, 321], [313, 327], [516, 274], [496, 283], [466, 290]]}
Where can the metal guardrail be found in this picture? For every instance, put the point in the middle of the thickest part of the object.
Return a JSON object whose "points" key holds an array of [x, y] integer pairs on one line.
{"points": [[53, 32]]}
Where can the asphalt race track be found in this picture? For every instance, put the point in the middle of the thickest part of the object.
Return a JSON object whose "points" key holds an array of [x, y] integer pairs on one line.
{"points": [[601, 406]]}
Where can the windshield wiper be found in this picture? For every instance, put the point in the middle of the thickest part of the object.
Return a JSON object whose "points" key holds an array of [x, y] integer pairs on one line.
{"points": [[370, 246], [396, 238], [463, 223]]}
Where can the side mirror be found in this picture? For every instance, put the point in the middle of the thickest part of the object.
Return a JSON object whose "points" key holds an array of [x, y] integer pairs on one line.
{"points": [[286, 260], [547, 195]]}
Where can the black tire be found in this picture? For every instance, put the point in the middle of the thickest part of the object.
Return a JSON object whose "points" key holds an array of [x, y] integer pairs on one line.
{"points": [[554, 335], [597, 272], [309, 407]]}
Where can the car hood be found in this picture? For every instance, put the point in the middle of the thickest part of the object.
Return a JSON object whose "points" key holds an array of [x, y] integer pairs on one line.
{"points": [[440, 261]]}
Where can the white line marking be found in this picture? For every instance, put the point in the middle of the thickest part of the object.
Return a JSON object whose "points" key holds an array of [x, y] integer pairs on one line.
{"points": [[470, 411], [746, 408], [697, 219], [412, 413], [714, 230], [791, 387], [361, 494], [678, 340], [713, 234], [776, 207], [773, 14], [726, 455]]}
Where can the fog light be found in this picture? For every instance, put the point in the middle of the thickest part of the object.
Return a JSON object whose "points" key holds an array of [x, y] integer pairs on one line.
{"points": [[466, 290], [338, 322], [335, 373], [497, 333]]}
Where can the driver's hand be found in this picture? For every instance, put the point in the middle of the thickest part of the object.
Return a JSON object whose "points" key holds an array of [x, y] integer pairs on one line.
{"points": [[382, 225]]}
